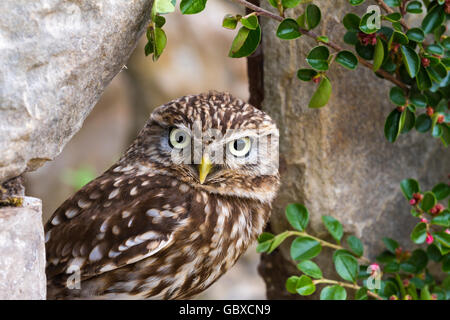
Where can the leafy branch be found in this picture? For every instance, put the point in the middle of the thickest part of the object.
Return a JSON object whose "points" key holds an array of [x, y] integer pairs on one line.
{"points": [[262, 12], [411, 279]]}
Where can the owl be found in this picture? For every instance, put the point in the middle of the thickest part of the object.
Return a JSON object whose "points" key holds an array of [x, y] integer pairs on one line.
{"points": [[175, 212]]}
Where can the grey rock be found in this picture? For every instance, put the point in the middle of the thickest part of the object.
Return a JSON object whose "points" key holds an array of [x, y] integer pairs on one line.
{"points": [[337, 160], [22, 252], [57, 57]]}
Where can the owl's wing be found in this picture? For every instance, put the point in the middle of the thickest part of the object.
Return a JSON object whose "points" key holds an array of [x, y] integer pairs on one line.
{"points": [[117, 219]]}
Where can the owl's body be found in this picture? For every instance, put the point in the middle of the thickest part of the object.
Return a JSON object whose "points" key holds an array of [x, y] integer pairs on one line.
{"points": [[152, 226]]}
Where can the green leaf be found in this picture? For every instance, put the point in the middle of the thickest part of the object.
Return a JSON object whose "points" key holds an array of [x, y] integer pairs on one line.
{"points": [[443, 238], [434, 18], [192, 6], [290, 3], [250, 22], [351, 38], [318, 58], [291, 284], [334, 227], [304, 248], [361, 294], [418, 100], [423, 123], [391, 267], [264, 242], [159, 21], [445, 136], [310, 269], [346, 265], [433, 253], [355, 245], [435, 49], [423, 79], [347, 59], [288, 29], [411, 60], [378, 57], [390, 244], [414, 7], [277, 240], [323, 39], [313, 16], [442, 219], [392, 125], [351, 22], [409, 121], [356, 2], [335, 292], [429, 201], [393, 3], [322, 94], [415, 34], [305, 286], [365, 52], [393, 17], [297, 215], [367, 24], [160, 41], [397, 96], [245, 42], [306, 74], [409, 187], [163, 6], [419, 233], [229, 22], [441, 191]]}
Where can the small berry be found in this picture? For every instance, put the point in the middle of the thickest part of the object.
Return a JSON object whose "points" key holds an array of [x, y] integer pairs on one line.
{"points": [[393, 297], [316, 79], [430, 111], [398, 252], [424, 220], [437, 209], [434, 296], [429, 238], [412, 202], [418, 196], [395, 47], [425, 62], [408, 297], [440, 118], [405, 282], [401, 108]]}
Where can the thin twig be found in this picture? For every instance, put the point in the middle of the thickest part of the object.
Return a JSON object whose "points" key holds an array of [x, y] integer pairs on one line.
{"points": [[325, 243], [262, 12], [389, 10], [348, 285]]}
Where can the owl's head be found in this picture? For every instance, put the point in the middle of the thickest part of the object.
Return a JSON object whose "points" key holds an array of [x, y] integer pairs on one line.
{"points": [[213, 142]]}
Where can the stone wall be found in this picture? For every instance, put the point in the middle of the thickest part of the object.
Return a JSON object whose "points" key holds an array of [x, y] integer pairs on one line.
{"points": [[336, 160]]}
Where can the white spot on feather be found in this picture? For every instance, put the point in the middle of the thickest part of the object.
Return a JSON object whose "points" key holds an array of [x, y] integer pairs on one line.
{"points": [[95, 254], [114, 193]]}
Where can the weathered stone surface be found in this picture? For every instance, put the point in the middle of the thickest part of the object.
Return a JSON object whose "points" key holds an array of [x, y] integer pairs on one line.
{"points": [[22, 252], [338, 161], [57, 57]]}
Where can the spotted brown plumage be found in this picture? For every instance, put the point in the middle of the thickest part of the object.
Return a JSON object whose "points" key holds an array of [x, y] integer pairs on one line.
{"points": [[149, 227]]}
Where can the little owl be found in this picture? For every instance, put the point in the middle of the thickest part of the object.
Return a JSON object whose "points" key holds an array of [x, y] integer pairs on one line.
{"points": [[175, 212]]}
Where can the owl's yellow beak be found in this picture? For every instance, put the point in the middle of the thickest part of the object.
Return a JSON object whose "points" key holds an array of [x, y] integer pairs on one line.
{"points": [[204, 168]]}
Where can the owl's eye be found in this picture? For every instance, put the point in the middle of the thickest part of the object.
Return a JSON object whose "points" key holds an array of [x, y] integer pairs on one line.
{"points": [[240, 147], [179, 138]]}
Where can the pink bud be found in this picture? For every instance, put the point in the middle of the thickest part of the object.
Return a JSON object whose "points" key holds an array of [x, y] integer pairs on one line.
{"points": [[393, 297], [412, 202], [405, 282], [408, 297], [424, 220], [434, 296], [375, 268], [447, 231], [429, 238]]}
